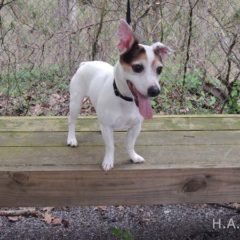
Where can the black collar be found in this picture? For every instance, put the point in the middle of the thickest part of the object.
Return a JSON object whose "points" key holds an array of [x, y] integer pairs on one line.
{"points": [[118, 94]]}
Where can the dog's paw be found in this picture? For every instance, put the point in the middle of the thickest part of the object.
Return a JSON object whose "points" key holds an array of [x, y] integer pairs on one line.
{"points": [[72, 142], [107, 164], [137, 158]]}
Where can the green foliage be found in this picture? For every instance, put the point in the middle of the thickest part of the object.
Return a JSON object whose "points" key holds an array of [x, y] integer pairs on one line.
{"points": [[237, 14], [16, 83], [121, 234], [233, 103], [29, 88], [195, 99], [193, 81], [41, 32]]}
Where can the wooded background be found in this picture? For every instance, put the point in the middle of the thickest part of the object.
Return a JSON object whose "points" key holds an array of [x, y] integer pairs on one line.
{"points": [[43, 42]]}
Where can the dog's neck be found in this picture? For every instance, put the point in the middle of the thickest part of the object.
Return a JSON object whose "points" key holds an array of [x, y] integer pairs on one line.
{"points": [[121, 81]]}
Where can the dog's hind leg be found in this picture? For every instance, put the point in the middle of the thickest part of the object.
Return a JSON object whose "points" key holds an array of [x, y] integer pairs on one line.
{"points": [[131, 140], [76, 97]]}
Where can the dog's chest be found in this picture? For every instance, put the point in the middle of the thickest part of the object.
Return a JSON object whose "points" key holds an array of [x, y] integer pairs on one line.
{"points": [[126, 120], [122, 124]]}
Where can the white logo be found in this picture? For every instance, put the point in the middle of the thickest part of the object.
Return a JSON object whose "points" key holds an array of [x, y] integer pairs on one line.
{"points": [[217, 224]]}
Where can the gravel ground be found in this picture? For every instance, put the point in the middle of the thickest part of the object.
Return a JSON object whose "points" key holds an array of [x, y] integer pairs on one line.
{"points": [[182, 221]]}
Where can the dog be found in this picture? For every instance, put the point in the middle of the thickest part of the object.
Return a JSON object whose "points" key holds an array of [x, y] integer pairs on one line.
{"points": [[120, 94]]}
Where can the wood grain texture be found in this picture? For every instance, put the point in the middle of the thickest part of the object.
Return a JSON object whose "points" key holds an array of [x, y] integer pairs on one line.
{"points": [[188, 159], [69, 188], [58, 139], [90, 157], [158, 123]]}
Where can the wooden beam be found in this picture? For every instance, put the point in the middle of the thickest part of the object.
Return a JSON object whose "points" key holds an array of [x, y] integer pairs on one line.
{"points": [[68, 188], [158, 123], [90, 157], [58, 139], [188, 159]]}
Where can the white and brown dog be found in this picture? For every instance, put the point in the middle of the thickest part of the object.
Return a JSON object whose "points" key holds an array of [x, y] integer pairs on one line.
{"points": [[120, 94]]}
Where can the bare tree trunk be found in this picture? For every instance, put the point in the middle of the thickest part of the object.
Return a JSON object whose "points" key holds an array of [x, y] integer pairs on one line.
{"points": [[72, 13], [190, 28], [62, 11], [68, 21], [95, 43], [72, 24]]}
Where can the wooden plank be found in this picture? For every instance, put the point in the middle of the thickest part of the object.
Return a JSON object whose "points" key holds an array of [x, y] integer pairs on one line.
{"points": [[61, 188], [90, 157], [188, 159], [57, 139], [158, 123]]}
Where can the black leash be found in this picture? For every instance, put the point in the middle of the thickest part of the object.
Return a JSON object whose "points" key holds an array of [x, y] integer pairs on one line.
{"points": [[116, 91], [128, 14]]}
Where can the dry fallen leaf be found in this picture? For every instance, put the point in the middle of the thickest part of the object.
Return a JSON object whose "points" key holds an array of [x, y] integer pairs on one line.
{"points": [[56, 221], [47, 218], [47, 209], [236, 205], [120, 207], [103, 208], [28, 209], [16, 215], [37, 110], [14, 218], [50, 219]]}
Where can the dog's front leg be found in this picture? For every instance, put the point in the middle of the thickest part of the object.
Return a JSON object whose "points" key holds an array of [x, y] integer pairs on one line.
{"points": [[131, 140], [108, 161]]}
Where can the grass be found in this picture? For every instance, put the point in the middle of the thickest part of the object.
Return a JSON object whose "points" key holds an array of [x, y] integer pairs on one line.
{"points": [[121, 234], [18, 83], [178, 99], [26, 89]]}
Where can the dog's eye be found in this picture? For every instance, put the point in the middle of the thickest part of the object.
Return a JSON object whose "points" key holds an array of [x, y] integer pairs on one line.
{"points": [[158, 70], [137, 68]]}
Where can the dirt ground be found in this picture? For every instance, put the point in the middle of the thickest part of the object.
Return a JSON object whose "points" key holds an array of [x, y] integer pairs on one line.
{"points": [[182, 221]]}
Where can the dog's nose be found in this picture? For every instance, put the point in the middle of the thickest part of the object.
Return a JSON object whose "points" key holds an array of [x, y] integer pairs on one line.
{"points": [[153, 91]]}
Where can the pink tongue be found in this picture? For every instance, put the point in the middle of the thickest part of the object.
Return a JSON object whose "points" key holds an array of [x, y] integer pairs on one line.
{"points": [[144, 106]]}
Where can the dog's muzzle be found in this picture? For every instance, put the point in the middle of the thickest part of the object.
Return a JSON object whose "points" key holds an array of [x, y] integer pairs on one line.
{"points": [[153, 91]]}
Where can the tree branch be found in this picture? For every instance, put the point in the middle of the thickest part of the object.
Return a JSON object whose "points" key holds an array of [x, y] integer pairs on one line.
{"points": [[3, 3]]}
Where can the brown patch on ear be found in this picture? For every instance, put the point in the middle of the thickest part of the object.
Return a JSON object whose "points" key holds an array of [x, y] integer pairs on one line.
{"points": [[134, 53]]}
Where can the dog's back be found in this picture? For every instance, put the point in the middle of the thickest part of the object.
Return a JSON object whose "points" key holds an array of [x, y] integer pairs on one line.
{"points": [[88, 71], [90, 78]]}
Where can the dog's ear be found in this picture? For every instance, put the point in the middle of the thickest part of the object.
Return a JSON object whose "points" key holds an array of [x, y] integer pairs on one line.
{"points": [[126, 37], [161, 50]]}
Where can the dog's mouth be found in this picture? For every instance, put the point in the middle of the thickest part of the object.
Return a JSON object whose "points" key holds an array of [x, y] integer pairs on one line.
{"points": [[141, 101]]}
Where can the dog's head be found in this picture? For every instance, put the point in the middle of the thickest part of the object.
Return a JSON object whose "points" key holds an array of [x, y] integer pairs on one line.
{"points": [[142, 64]]}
